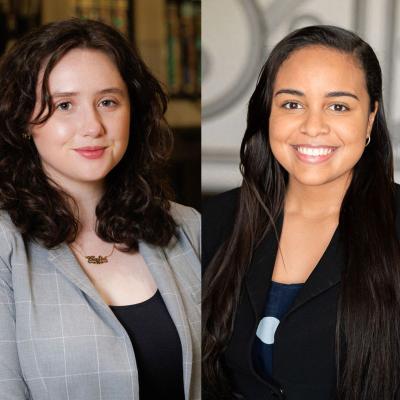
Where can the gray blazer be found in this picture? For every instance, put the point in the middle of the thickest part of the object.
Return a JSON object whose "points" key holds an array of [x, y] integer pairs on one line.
{"points": [[60, 341]]}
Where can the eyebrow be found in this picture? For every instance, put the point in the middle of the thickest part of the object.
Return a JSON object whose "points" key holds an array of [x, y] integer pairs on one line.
{"points": [[103, 91], [342, 94], [295, 92]]}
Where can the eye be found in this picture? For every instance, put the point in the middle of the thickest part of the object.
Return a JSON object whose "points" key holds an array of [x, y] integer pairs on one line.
{"points": [[338, 107], [64, 106], [108, 103], [292, 105]]}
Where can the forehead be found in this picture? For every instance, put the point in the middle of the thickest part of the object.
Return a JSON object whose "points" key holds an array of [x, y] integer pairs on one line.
{"points": [[317, 67], [83, 69]]}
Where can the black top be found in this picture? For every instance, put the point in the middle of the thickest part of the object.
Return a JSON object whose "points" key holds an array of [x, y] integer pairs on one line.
{"points": [[157, 348], [304, 366]]}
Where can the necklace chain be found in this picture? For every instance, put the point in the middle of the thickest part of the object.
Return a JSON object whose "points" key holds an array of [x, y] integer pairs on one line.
{"points": [[93, 259]]}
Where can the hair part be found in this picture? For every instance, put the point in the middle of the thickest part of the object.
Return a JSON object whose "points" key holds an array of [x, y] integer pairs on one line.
{"points": [[368, 319], [135, 205]]}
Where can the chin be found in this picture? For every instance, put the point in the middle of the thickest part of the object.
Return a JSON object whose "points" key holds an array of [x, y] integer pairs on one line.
{"points": [[94, 174], [92, 178], [312, 180]]}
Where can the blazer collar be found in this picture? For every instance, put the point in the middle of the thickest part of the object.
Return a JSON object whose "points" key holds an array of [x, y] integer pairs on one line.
{"points": [[326, 274], [65, 262]]}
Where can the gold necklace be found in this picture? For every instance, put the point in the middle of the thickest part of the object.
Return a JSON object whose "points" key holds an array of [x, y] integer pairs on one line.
{"points": [[93, 259]]}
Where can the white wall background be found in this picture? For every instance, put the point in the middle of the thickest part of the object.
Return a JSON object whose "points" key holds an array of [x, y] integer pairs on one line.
{"points": [[237, 36]]}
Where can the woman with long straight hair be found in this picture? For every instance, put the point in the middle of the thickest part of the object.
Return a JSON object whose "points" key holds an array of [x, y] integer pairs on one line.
{"points": [[301, 292]]}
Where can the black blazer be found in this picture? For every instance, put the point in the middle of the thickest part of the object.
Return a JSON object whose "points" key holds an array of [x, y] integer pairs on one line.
{"points": [[304, 365]]}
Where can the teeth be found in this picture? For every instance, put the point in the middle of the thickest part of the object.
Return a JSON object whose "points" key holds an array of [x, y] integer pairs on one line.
{"points": [[310, 151]]}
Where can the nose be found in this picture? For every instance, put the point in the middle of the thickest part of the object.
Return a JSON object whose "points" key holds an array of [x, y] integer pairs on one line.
{"points": [[92, 124], [314, 123]]}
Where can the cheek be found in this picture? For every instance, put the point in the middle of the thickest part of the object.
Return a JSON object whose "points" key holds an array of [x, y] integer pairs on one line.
{"points": [[280, 131], [117, 123], [52, 134], [282, 127], [353, 139], [352, 132]]}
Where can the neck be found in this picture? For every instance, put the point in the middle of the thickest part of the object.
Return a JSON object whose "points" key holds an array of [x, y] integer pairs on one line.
{"points": [[320, 201], [86, 198]]}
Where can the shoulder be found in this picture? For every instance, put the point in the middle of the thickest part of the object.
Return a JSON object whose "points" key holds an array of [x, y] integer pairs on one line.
{"points": [[218, 215], [9, 233], [184, 215], [12, 247], [188, 221], [6, 222], [222, 205]]}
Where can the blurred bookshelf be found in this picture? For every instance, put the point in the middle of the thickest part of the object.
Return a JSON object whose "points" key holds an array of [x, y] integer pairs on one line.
{"points": [[167, 36], [16, 18]]}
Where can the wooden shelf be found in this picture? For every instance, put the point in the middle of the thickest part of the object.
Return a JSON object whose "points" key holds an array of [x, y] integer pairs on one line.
{"points": [[183, 114], [55, 10]]}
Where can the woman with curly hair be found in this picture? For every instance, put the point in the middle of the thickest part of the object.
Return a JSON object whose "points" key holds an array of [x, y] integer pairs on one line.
{"points": [[99, 271]]}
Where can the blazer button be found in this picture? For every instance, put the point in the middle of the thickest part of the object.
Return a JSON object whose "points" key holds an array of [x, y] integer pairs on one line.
{"points": [[279, 395]]}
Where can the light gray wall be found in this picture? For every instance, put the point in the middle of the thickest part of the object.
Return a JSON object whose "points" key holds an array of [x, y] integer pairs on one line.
{"points": [[237, 36]]}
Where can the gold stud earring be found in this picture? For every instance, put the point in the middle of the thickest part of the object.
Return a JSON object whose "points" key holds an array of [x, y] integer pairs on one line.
{"points": [[26, 136], [368, 141]]}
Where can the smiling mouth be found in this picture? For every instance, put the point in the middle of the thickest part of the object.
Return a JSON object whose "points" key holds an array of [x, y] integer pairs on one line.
{"points": [[91, 152], [315, 151], [314, 154]]}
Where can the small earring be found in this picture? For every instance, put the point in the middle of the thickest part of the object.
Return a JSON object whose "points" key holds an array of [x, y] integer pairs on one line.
{"points": [[26, 136], [368, 141]]}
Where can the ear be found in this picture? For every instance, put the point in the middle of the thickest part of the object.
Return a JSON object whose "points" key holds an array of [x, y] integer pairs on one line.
{"points": [[371, 118]]}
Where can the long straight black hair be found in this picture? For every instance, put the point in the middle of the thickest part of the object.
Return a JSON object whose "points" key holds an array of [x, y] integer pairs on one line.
{"points": [[368, 320]]}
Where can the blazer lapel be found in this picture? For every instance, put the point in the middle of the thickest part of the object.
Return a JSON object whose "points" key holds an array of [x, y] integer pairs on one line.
{"points": [[325, 275], [158, 264], [65, 262]]}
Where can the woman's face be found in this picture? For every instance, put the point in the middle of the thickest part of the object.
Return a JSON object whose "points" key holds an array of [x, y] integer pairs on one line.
{"points": [[320, 115], [89, 131]]}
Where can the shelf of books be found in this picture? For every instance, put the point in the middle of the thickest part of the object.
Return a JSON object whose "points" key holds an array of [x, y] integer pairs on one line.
{"points": [[17, 18], [166, 32]]}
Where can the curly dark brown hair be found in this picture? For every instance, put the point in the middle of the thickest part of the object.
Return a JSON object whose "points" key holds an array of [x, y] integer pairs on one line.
{"points": [[135, 203]]}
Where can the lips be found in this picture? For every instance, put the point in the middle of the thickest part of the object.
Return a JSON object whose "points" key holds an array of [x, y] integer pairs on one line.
{"points": [[91, 152], [314, 154]]}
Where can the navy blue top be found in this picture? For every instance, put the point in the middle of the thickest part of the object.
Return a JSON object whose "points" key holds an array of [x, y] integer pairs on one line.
{"points": [[279, 300]]}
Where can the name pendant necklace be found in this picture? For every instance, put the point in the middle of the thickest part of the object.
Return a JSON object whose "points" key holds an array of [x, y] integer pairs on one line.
{"points": [[93, 259]]}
